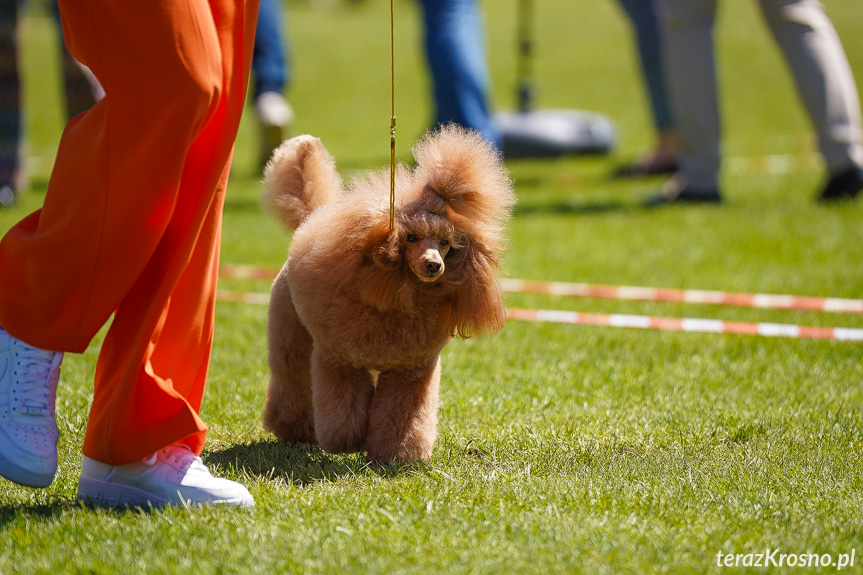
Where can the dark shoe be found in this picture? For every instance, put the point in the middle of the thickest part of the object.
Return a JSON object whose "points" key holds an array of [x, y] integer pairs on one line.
{"points": [[684, 195], [843, 186], [645, 168]]}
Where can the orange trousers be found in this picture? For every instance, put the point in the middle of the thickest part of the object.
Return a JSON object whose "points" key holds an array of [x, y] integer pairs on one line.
{"points": [[131, 221]]}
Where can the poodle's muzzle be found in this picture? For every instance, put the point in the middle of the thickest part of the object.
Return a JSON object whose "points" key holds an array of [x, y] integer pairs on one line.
{"points": [[434, 265], [427, 261]]}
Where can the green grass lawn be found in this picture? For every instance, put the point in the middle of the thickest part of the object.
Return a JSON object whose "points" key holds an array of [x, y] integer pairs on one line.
{"points": [[562, 449]]}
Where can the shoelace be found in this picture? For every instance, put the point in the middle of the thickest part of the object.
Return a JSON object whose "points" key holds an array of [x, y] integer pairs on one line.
{"points": [[38, 371], [175, 454]]}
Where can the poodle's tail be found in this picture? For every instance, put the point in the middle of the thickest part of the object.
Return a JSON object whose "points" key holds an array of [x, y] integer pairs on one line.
{"points": [[300, 177]]}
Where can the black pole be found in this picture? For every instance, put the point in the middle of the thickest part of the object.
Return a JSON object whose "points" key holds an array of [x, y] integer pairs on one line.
{"points": [[525, 55]]}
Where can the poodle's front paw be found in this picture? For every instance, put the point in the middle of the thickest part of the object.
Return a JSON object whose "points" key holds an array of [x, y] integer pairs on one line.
{"points": [[347, 437], [383, 448], [291, 430]]}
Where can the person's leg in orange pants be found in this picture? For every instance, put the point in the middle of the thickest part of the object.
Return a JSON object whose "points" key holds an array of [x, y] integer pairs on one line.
{"points": [[132, 216]]}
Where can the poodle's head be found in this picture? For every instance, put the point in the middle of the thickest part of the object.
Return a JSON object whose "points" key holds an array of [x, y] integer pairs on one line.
{"points": [[448, 236], [418, 247]]}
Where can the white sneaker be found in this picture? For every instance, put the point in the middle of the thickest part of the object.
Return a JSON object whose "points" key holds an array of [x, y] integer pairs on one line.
{"points": [[171, 476], [28, 426], [273, 110]]}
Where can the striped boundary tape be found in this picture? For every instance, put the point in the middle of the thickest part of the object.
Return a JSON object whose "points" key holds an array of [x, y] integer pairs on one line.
{"points": [[243, 297], [757, 300], [244, 272], [693, 296], [687, 324], [636, 321]]}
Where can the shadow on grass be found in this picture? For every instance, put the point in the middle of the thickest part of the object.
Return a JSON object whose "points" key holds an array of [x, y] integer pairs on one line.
{"points": [[45, 512], [587, 208], [269, 460], [9, 513], [297, 464]]}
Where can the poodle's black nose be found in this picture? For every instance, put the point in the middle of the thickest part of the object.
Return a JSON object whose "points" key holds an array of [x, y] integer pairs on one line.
{"points": [[433, 267]]}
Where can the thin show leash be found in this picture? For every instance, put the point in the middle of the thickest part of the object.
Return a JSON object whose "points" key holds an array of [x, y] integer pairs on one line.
{"points": [[392, 119]]}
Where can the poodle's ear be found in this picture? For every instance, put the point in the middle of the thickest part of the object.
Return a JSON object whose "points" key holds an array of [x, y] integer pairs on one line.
{"points": [[300, 176], [477, 304], [379, 245], [380, 277], [465, 170]]}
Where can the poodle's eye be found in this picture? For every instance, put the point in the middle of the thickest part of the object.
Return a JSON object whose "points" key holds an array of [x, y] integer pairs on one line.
{"points": [[444, 243], [412, 238]]}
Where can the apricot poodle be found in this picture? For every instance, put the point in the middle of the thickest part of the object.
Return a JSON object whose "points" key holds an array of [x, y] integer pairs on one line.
{"points": [[359, 314]]}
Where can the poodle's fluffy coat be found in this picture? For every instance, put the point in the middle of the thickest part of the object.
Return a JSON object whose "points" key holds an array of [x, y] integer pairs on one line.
{"points": [[359, 315]]}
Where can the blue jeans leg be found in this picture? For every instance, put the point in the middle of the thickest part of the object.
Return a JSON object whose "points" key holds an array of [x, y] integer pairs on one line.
{"points": [[270, 57], [455, 49], [642, 15]]}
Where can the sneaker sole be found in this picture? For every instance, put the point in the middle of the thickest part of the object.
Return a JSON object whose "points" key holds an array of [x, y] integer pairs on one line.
{"points": [[105, 494], [23, 476]]}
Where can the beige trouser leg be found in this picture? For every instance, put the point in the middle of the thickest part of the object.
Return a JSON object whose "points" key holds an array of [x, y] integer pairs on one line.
{"points": [[822, 75], [813, 52], [687, 26]]}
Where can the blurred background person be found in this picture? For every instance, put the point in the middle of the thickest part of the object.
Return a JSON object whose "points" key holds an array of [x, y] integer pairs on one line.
{"points": [[821, 72], [455, 49], [663, 159], [270, 75], [80, 90]]}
